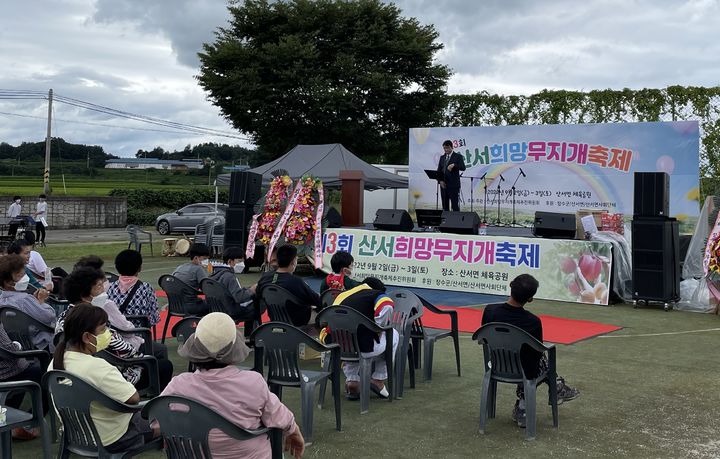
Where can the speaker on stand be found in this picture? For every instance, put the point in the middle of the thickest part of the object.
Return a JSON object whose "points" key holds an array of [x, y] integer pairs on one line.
{"points": [[655, 242], [245, 189], [459, 222]]}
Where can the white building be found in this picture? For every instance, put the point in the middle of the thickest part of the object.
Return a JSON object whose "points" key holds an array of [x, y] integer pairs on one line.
{"points": [[152, 163]]}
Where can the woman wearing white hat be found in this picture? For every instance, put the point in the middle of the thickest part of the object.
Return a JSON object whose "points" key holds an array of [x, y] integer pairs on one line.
{"points": [[241, 396]]}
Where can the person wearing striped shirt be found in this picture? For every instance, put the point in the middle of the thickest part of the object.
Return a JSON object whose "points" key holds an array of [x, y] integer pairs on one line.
{"points": [[369, 299]]}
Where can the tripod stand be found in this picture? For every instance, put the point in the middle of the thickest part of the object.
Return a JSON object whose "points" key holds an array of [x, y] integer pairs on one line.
{"points": [[497, 196], [514, 222]]}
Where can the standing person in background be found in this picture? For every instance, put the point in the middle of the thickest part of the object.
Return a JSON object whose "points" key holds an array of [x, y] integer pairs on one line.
{"points": [[448, 170], [14, 211], [41, 219]]}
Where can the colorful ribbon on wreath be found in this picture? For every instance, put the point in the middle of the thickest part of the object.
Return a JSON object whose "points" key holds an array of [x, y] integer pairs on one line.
{"points": [[283, 220], [318, 227], [250, 248]]}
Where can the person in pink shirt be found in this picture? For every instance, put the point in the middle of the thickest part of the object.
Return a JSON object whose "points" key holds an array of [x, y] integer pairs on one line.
{"points": [[240, 396]]}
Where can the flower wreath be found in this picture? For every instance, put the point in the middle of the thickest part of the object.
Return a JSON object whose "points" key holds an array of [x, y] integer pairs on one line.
{"points": [[264, 224]]}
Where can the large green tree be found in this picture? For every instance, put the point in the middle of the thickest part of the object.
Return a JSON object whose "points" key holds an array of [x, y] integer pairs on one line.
{"points": [[325, 71]]}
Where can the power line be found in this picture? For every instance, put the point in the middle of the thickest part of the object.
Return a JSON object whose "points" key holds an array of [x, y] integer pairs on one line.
{"points": [[93, 124], [12, 94]]}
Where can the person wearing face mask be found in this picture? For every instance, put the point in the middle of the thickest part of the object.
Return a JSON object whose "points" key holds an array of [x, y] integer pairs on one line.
{"points": [[41, 219], [14, 282], [192, 273], [284, 277], [234, 263], [340, 278], [14, 212], [86, 333], [86, 285], [23, 248]]}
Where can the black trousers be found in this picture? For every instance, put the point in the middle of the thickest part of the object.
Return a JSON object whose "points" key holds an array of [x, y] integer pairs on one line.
{"points": [[40, 230], [450, 196]]}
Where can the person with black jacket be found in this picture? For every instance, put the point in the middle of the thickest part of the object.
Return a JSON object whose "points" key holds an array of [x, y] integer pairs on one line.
{"points": [[225, 274], [449, 167]]}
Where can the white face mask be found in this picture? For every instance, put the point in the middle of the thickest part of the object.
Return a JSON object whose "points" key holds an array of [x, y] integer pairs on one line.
{"points": [[239, 267], [205, 262], [100, 300], [22, 284]]}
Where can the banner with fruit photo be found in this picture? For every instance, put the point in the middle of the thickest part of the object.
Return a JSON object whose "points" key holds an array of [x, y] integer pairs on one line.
{"points": [[568, 270]]}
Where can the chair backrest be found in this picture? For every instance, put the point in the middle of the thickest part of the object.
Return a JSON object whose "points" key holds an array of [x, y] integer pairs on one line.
{"points": [[407, 310], [328, 297], [280, 342], [184, 328], [132, 231], [277, 300], [177, 293], [185, 425], [217, 296], [21, 327], [344, 323], [502, 344], [72, 397], [111, 277]]}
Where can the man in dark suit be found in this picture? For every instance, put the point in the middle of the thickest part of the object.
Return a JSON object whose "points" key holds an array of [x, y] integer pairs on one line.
{"points": [[449, 168]]}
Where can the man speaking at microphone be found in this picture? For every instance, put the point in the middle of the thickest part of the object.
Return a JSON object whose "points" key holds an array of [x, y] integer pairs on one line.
{"points": [[449, 168]]}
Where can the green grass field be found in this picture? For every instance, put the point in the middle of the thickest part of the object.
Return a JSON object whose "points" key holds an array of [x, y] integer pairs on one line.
{"points": [[100, 184]]}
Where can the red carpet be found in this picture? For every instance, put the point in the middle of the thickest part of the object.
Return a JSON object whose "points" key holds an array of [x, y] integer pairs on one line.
{"points": [[555, 329]]}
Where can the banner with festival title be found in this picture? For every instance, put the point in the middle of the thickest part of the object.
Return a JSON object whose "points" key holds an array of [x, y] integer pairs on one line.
{"points": [[567, 166], [568, 270]]}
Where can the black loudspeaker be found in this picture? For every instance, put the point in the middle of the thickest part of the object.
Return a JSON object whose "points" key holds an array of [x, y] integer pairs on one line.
{"points": [[656, 260], [652, 194], [393, 220], [245, 188], [459, 222], [334, 219], [237, 220], [554, 225]]}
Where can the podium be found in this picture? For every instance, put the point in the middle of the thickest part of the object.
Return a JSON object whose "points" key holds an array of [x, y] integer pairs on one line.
{"points": [[434, 175]]}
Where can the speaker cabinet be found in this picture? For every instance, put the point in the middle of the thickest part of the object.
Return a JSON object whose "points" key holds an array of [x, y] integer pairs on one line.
{"points": [[245, 188], [459, 222], [333, 217], [393, 220], [554, 225], [656, 260], [652, 194], [237, 220]]}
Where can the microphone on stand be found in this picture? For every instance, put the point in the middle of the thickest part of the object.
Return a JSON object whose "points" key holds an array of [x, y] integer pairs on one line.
{"points": [[502, 179], [483, 176], [523, 173]]}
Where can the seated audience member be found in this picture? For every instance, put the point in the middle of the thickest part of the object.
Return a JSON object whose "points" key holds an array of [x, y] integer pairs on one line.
{"points": [[14, 281], [513, 312], [86, 285], [20, 370], [273, 263], [241, 396], [340, 278], [36, 263], [284, 277], [233, 263], [369, 299], [24, 249], [132, 296], [86, 333], [192, 273]]}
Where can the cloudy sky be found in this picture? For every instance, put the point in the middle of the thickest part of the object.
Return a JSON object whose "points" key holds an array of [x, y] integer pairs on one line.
{"points": [[139, 56]]}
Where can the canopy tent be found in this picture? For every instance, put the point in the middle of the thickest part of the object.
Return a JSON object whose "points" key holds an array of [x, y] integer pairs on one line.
{"points": [[325, 163]]}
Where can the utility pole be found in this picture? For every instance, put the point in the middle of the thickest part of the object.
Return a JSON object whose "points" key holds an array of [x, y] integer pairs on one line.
{"points": [[46, 173]]}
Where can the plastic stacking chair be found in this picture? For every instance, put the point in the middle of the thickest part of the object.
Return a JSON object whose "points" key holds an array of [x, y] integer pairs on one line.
{"points": [[430, 335], [279, 343], [111, 277], [328, 297], [19, 418], [344, 323], [211, 233], [502, 344], [277, 300], [407, 311], [177, 291], [72, 397], [219, 299], [138, 237], [21, 327], [185, 425], [148, 363], [182, 331]]}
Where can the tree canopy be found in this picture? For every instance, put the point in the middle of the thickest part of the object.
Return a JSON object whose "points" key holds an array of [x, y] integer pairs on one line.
{"points": [[325, 71]]}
